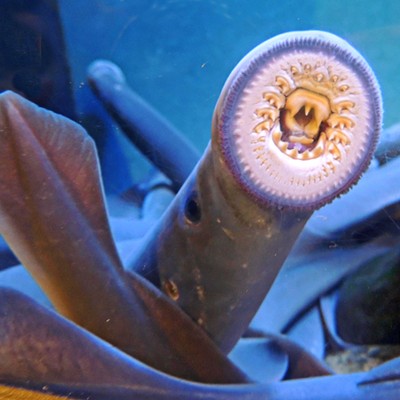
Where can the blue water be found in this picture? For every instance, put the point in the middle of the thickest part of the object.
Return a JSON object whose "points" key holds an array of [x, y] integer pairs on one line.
{"points": [[178, 53]]}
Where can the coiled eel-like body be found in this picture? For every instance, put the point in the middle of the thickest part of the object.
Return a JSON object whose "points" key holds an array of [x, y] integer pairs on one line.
{"points": [[295, 126]]}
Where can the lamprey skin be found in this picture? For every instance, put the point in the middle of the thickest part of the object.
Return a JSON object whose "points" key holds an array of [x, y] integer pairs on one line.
{"points": [[54, 218], [64, 361], [151, 133], [296, 125]]}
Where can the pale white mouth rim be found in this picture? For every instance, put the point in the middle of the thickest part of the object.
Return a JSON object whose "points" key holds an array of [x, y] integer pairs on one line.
{"points": [[237, 84]]}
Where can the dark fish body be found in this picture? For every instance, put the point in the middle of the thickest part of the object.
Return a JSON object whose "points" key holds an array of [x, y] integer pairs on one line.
{"points": [[295, 126], [218, 252]]}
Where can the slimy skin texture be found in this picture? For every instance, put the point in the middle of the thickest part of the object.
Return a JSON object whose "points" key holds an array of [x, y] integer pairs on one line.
{"points": [[151, 133], [295, 126], [53, 216], [217, 263], [215, 252]]}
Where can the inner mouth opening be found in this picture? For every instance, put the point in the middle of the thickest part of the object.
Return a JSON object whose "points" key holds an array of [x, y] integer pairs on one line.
{"points": [[303, 119], [298, 139]]}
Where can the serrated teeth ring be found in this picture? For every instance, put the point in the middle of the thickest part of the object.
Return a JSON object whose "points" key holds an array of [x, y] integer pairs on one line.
{"points": [[316, 105]]}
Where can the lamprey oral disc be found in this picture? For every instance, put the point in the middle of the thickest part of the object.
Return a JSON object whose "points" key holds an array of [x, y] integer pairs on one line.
{"points": [[298, 119], [296, 125]]}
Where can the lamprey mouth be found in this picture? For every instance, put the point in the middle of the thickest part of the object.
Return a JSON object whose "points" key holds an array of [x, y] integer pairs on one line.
{"points": [[309, 122], [303, 123], [299, 119]]}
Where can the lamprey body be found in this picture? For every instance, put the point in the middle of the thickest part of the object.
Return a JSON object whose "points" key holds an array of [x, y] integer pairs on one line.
{"points": [[295, 126]]}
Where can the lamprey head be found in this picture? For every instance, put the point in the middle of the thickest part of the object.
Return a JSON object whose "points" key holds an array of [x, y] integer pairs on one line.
{"points": [[298, 119]]}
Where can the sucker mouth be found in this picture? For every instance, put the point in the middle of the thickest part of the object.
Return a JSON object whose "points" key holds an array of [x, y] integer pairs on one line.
{"points": [[307, 122], [304, 113], [298, 119]]}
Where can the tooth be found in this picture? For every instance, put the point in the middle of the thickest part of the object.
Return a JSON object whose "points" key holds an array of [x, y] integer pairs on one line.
{"points": [[333, 149], [275, 99], [331, 166], [337, 136], [319, 148], [294, 153], [283, 145], [258, 140], [305, 155], [276, 137], [339, 120], [270, 113], [307, 109], [264, 125], [283, 84], [260, 155], [343, 105], [258, 148]]}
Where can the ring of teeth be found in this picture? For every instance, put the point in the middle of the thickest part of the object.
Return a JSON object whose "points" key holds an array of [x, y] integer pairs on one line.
{"points": [[298, 119], [306, 113]]}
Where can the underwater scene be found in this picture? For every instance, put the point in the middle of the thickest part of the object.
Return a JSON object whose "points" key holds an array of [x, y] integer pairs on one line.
{"points": [[199, 199]]}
